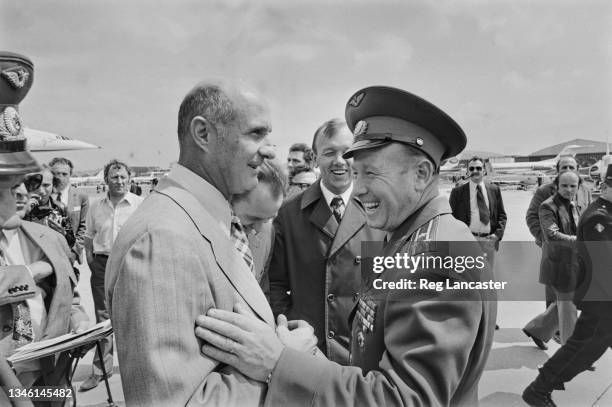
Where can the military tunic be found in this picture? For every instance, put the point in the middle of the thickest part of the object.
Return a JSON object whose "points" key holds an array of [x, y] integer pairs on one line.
{"points": [[409, 347]]}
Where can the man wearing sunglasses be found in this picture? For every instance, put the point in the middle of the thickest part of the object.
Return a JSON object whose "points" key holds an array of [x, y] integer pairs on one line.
{"points": [[479, 205]]}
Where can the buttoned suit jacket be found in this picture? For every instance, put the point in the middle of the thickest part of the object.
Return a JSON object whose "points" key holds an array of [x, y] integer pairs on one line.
{"points": [[424, 348], [319, 262], [170, 263], [78, 204], [62, 302], [460, 204]]}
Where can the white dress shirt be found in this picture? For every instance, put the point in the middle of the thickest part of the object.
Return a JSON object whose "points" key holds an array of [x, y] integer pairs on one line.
{"points": [[104, 220]]}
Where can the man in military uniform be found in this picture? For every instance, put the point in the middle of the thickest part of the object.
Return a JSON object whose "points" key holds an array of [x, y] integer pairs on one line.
{"points": [[408, 346], [593, 332]]}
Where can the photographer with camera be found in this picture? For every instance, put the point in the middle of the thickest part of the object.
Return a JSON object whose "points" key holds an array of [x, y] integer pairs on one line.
{"points": [[42, 208]]}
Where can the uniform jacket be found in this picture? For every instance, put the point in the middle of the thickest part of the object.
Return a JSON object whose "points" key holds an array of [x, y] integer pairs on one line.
{"points": [[460, 205], [62, 302], [416, 347], [319, 262], [559, 260], [583, 199], [78, 204], [171, 262], [594, 241]]}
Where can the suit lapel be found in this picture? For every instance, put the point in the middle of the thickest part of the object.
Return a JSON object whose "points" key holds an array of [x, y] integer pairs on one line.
{"points": [[492, 200], [226, 256], [321, 215], [352, 222], [465, 198]]}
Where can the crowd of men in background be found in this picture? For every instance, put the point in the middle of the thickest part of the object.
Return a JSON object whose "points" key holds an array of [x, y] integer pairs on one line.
{"points": [[267, 261]]}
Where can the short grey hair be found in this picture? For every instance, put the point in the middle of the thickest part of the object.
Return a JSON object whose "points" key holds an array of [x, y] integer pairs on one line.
{"points": [[208, 100]]}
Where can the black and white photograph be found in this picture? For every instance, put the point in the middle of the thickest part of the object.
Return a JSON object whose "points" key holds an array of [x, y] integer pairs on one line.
{"points": [[309, 203]]}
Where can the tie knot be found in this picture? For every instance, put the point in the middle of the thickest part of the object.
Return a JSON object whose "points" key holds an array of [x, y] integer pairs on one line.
{"points": [[336, 202]]}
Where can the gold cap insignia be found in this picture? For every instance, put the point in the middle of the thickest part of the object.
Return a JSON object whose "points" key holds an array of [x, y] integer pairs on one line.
{"points": [[599, 227], [361, 128]]}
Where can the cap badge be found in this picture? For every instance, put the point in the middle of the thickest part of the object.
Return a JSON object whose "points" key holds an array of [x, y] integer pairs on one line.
{"points": [[599, 227], [360, 128], [419, 141], [356, 100], [16, 76], [10, 124]]}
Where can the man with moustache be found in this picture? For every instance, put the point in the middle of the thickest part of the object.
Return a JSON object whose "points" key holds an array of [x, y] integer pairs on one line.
{"points": [[75, 202], [592, 334], [315, 267], [479, 205], [184, 251], [408, 347], [105, 219]]}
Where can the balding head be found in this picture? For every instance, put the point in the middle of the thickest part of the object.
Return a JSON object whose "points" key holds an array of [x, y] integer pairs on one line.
{"points": [[222, 131]]}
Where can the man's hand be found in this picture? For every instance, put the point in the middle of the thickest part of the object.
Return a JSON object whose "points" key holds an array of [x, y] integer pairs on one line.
{"points": [[40, 270], [240, 340], [297, 334], [82, 327]]}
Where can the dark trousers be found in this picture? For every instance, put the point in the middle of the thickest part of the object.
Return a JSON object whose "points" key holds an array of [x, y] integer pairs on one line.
{"points": [[591, 337], [97, 267]]}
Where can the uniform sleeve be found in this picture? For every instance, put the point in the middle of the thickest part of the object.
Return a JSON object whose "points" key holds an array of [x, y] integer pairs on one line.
{"points": [[278, 272], [533, 218], [425, 359], [154, 300]]}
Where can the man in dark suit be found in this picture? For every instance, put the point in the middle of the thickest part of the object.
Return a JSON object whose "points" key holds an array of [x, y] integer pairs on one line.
{"points": [[315, 267], [592, 335], [479, 205], [75, 202]]}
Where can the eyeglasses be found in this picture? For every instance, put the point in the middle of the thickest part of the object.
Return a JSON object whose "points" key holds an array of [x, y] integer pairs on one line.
{"points": [[475, 168], [32, 182]]}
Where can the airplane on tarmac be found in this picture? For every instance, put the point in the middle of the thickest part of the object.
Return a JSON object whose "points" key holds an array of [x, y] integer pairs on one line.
{"points": [[91, 180], [38, 140], [522, 179], [544, 165], [451, 165]]}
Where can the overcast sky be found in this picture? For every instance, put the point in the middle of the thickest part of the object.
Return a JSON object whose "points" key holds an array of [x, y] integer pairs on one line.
{"points": [[516, 75]]}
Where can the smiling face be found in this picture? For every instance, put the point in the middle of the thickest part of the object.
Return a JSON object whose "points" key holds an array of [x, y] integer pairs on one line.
{"points": [[336, 172], [388, 185], [243, 144]]}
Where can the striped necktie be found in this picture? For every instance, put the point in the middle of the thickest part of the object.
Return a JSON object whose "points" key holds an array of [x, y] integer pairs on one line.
{"points": [[241, 242], [337, 207]]}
